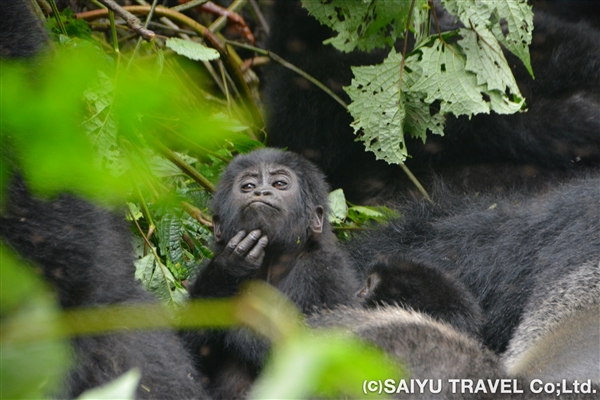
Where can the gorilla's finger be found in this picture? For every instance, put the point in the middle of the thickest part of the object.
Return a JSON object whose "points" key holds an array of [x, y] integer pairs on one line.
{"points": [[257, 254], [245, 245], [233, 243]]}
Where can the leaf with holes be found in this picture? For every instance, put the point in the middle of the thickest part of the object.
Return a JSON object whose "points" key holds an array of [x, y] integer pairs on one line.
{"points": [[444, 77], [382, 114], [486, 60], [365, 25], [510, 21]]}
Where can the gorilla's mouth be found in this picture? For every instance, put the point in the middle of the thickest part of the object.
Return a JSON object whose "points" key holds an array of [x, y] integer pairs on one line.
{"points": [[260, 203]]}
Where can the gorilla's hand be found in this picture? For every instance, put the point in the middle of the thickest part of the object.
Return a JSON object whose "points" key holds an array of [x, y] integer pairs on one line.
{"points": [[243, 254]]}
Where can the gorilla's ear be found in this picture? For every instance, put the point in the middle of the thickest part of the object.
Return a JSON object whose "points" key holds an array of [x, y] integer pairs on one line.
{"points": [[316, 221], [217, 232]]}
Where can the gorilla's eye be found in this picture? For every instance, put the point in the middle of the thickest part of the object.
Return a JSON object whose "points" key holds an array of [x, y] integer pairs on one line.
{"points": [[246, 187], [280, 184]]}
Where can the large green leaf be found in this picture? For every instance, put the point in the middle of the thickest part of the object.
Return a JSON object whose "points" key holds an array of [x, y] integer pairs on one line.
{"points": [[516, 35], [486, 60], [382, 114], [365, 25]]}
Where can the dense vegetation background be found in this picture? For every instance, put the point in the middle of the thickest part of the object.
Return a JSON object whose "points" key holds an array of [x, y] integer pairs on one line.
{"points": [[143, 116]]}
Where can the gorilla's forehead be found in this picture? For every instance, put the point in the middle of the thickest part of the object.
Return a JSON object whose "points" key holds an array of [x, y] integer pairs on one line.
{"points": [[266, 168]]}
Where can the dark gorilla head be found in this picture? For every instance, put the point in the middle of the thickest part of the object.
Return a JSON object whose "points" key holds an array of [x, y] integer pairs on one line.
{"points": [[278, 192], [419, 287]]}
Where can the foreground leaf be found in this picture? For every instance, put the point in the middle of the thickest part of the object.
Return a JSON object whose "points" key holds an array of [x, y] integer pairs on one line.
{"points": [[322, 363], [123, 388]]}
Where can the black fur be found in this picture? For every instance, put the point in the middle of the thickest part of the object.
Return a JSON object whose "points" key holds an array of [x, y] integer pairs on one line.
{"points": [[312, 271], [571, 10], [421, 288], [559, 133], [85, 252], [21, 33], [433, 351], [505, 250]]}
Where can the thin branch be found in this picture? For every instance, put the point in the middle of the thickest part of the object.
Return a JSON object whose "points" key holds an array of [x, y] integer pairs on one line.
{"points": [[185, 35], [410, 11], [57, 16], [230, 14], [113, 31], [188, 5], [185, 167], [416, 182], [254, 62], [410, 175], [197, 214], [292, 67], [129, 18], [145, 213], [437, 24], [259, 16]]}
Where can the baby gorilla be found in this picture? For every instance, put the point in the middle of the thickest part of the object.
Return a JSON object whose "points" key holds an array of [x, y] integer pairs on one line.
{"points": [[269, 223], [421, 288]]}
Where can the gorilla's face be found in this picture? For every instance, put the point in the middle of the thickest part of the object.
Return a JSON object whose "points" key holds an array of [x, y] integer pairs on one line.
{"points": [[267, 198]]}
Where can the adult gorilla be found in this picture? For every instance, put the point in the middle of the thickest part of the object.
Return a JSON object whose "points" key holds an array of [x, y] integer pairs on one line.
{"points": [[85, 252], [530, 260]]}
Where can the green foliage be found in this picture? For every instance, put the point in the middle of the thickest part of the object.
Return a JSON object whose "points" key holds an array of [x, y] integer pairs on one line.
{"points": [[382, 114], [325, 363], [490, 14], [440, 75], [339, 209], [141, 128], [28, 369], [124, 388], [365, 25], [75, 27], [192, 50], [346, 217], [460, 83]]}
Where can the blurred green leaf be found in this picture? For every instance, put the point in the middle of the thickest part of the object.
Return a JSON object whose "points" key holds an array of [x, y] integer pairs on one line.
{"points": [[323, 363], [31, 369], [123, 388]]}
